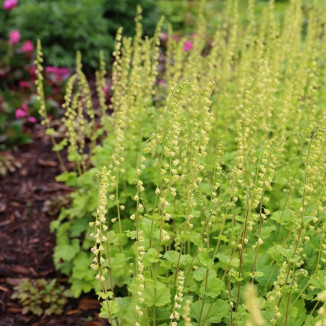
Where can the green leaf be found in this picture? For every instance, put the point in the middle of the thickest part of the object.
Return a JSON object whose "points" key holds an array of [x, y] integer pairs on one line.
{"points": [[154, 217], [282, 217], [74, 157], [214, 287], [266, 231], [78, 286], [151, 256], [205, 260], [131, 234], [69, 178], [113, 306], [107, 295], [66, 251], [257, 274], [80, 225], [59, 147], [173, 257], [81, 269], [278, 252], [112, 237], [296, 309], [50, 131], [212, 312], [222, 237], [205, 188], [200, 274], [158, 295]]}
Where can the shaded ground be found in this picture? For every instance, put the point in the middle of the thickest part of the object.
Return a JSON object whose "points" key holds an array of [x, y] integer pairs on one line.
{"points": [[26, 244]]}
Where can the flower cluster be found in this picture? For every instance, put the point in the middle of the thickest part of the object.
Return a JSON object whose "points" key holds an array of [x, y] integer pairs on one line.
{"points": [[100, 227], [10, 4], [23, 112], [178, 298]]}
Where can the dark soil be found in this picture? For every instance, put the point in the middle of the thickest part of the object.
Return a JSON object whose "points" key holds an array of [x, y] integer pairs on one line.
{"points": [[26, 244]]}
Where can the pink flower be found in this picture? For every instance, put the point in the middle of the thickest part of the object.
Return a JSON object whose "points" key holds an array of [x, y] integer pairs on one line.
{"points": [[32, 120], [24, 107], [51, 70], [56, 70], [105, 89], [32, 71], [187, 46], [63, 72], [59, 73], [164, 37], [14, 37], [3, 73], [28, 46], [24, 84], [9, 4], [19, 114], [176, 38]]}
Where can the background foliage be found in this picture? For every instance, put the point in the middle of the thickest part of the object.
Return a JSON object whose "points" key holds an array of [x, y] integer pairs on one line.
{"points": [[90, 25], [67, 26]]}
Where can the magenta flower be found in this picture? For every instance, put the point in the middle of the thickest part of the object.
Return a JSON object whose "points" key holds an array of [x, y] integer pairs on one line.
{"points": [[32, 71], [176, 38], [56, 70], [19, 114], [51, 70], [14, 37], [105, 89], [32, 120], [164, 37], [3, 73], [24, 84], [187, 46], [24, 107], [59, 74], [9, 4], [28, 46]]}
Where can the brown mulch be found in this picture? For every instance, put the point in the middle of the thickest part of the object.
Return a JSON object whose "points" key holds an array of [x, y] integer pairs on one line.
{"points": [[26, 244]]}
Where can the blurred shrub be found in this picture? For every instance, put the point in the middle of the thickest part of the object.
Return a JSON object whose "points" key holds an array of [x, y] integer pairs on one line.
{"points": [[182, 14], [3, 25], [41, 296], [85, 25], [18, 101], [64, 27], [122, 13]]}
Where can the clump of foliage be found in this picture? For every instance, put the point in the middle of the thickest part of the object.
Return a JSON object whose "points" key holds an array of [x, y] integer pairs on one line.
{"points": [[121, 13], [53, 206], [8, 163], [18, 102], [41, 296], [207, 182], [16, 84], [80, 25]]}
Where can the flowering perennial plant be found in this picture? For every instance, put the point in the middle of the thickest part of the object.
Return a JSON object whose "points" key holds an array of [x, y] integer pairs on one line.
{"points": [[210, 183]]}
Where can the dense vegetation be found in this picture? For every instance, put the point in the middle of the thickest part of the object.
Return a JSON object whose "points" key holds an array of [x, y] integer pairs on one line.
{"points": [[65, 27], [211, 175]]}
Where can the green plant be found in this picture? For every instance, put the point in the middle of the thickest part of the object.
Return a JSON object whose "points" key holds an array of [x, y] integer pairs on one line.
{"points": [[121, 13], [8, 163], [78, 25], [41, 296], [214, 181], [64, 28]]}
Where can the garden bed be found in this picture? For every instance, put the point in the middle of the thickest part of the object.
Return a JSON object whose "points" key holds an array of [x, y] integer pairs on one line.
{"points": [[27, 245]]}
